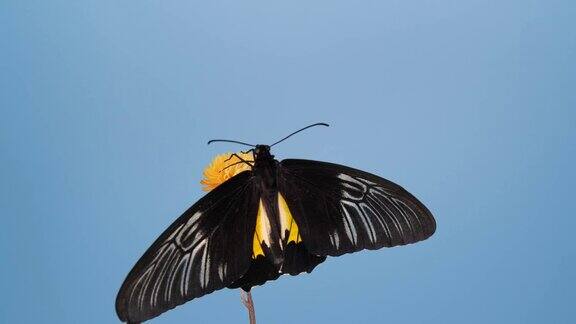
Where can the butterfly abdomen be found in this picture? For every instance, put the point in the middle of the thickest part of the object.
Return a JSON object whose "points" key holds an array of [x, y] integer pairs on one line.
{"points": [[268, 229]]}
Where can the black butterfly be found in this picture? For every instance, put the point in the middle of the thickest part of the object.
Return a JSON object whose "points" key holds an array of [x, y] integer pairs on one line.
{"points": [[276, 218]]}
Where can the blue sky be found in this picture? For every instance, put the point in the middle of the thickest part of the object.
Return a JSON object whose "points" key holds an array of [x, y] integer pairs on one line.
{"points": [[470, 105]]}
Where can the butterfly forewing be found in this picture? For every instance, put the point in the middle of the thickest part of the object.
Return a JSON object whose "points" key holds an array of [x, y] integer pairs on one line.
{"points": [[341, 210], [205, 249]]}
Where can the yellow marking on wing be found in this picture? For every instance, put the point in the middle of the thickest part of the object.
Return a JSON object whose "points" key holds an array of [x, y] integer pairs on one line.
{"points": [[256, 247], [262, 232], [287, 222]]}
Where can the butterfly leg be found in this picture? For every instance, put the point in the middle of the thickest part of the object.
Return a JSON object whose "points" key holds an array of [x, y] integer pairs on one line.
{"points": [[239, 158], [233, 164]]}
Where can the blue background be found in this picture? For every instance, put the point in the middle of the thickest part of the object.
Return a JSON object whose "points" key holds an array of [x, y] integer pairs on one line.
{"points": [[106, 107]]}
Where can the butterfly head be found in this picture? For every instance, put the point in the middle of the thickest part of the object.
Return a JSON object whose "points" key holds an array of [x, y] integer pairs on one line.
{"points": [[261, 152]]}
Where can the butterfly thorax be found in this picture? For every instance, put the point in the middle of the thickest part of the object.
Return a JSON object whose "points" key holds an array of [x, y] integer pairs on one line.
{"points": [[265, 169]]}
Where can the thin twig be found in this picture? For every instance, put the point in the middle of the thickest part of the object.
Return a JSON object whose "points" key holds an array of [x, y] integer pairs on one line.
{"points": [[246, 298]]}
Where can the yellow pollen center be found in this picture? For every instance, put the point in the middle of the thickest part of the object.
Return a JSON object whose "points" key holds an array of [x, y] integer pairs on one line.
{"points": [[220, 170]]}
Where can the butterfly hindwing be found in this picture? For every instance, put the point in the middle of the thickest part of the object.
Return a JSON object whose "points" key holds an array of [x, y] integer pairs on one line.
{"points": [[341, 210], [205, 249]]}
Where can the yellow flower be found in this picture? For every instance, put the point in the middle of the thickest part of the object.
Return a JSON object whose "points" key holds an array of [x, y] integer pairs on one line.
{"points": [[217, 172]]}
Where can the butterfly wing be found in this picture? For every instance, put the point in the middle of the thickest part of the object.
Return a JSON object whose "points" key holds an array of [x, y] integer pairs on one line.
{"points": [[342, 210], [205, 249]]}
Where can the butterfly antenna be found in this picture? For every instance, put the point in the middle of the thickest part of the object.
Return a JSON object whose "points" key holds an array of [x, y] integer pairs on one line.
{"points": [[298, 131], [229, 141]]}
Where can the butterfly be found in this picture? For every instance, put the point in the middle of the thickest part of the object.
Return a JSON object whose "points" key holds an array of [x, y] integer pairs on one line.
{"points": [[272, 218]]}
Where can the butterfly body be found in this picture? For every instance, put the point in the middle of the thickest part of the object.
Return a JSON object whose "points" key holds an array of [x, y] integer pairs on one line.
{"points": [[273, 225], [278, 217], [265, 173]]}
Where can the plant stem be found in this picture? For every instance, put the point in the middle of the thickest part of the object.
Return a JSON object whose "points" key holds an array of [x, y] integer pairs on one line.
{"points": [[246, 298]]}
